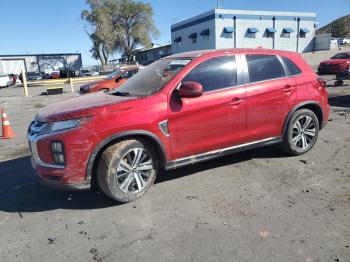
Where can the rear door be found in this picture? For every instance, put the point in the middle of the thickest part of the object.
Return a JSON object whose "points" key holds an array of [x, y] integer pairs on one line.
{"points": [[215, 120], [270, 92]]}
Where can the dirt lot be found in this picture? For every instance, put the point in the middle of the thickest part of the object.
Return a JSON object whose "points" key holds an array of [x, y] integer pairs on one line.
{"points": [[253, 206]]}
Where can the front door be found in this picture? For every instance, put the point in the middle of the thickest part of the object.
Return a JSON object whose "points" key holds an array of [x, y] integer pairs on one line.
{"points": [[215, 120]]}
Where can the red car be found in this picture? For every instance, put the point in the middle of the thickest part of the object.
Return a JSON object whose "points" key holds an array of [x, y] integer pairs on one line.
{"points": [[55, 75], [178, 111], [339, 62], [111, 81]]}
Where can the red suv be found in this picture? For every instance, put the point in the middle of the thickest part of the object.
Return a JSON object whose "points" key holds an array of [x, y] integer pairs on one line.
{"points": [[180, 110], [339, 62]]}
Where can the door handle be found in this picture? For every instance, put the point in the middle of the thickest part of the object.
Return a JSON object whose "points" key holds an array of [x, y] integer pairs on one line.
{"points": [[288, 88], [235, 101]]}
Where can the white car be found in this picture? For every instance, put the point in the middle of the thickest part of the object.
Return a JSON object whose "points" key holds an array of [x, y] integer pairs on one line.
{"points": [[346, 41], [334, 41], [5, 80]]}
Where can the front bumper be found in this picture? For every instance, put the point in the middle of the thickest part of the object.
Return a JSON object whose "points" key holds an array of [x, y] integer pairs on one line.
{"points": [[53, 183], [78, 144], [84, 90]]}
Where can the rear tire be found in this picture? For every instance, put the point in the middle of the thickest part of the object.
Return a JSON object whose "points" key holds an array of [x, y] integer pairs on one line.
{"points": [[127, 170], [301, 133]]}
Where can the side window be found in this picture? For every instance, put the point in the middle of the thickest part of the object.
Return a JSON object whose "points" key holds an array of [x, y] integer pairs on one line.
{"points": [[214, 74], [291, 67], [264, 67]]}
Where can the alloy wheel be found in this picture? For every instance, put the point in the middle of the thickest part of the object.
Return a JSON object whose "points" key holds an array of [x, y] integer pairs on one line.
{"points": [[304, 132], [134, 170]]}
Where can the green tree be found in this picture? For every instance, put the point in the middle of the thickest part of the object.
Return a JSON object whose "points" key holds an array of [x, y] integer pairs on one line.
{"points": [[338, 29], [134, 25], [118, 25]]}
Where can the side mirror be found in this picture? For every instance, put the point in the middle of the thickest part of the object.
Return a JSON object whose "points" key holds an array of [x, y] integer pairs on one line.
{"points": [[190, 90], [118, 79]]}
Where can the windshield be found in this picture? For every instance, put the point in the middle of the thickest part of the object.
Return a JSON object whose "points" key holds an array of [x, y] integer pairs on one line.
{"points": [[342, 56], [113, 74], [32, 74], [151, 79]]}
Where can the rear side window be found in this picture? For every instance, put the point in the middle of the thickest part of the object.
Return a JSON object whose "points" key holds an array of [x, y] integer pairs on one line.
{"points": [[264, 67], [292, 68], [215, 73]]}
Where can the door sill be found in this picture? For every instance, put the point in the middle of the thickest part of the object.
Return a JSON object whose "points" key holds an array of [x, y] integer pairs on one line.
{"points": [[221, 152]]}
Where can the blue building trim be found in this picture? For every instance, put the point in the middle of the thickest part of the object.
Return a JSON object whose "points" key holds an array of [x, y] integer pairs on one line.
{"points": [[248, 17]]}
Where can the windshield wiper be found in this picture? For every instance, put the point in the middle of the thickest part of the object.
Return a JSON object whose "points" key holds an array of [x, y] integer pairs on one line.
{"points": [[117, 93]]}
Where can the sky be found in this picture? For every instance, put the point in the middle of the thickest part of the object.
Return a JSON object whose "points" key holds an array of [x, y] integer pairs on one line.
{"points": [[45, 26]]}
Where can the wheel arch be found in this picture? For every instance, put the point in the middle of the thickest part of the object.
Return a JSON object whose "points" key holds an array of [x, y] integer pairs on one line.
{"points": [[314, 106], [136, 134]]}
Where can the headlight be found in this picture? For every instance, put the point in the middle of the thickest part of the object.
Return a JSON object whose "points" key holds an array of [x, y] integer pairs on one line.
{"points": [[63, 125]]}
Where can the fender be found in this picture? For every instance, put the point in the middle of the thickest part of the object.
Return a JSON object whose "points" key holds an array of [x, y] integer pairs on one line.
{"points": [[298, 106], [160, 147]]}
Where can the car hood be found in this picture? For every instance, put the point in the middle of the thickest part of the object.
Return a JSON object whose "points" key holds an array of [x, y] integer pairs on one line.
{"points": [[83, 106], [93, 83], [335, 61]]}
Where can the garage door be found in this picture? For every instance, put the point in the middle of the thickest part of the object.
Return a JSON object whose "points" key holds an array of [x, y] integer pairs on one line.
{"points": [[12, 66]]}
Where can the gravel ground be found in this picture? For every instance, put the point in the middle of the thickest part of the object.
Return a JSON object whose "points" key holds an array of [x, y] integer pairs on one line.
{"points": [[257, 205]]}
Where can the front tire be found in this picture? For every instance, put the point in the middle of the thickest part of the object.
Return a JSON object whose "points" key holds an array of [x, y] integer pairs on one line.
{"points": [[127, 170], [301, 133]]}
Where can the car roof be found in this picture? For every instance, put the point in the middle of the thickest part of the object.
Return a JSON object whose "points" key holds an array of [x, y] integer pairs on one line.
{"points": [[200, 53]]}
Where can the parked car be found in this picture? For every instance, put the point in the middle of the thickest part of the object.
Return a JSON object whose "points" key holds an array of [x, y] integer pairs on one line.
{"points": [[346, 41], [112, 81], [84, 73], [339, 62], [55, 75], [5, 80], [180, 110], [34, 76], [340, 41], [334, 41], [14, 78]]}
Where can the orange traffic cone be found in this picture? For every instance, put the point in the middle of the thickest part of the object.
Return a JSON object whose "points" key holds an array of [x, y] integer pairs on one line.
{"points": [[7, 131]]}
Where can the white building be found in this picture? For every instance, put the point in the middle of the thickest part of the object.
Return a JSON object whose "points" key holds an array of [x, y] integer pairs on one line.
{"points": [[222, 28], [14, 64]]}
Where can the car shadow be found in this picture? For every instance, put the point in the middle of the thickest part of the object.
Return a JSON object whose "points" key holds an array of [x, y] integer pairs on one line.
{"points": [[21, 192], [339, 101]]}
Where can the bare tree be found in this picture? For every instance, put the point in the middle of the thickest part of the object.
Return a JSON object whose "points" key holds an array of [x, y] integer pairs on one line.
{"points": [[118, 25]]}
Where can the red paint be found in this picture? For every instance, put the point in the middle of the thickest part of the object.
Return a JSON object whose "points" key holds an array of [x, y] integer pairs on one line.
{"points": [[107, 84], [211, 121], [333, 65]]}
